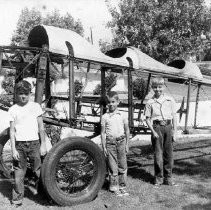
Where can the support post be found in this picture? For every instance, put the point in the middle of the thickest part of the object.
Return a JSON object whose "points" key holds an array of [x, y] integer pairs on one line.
{"points": [[103, 92], [1, 57], [71, 82], [187, 108], [48, 87], [196, 105], [41, 75], [130, 94]]}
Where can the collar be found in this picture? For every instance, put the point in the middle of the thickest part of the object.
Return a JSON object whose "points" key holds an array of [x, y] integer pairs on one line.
{"points": [[114, 113], [161, 99]]}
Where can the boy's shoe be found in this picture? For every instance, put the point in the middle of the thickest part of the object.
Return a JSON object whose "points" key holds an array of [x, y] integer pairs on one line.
{"points": [[113, 188], [157, 183], [17, 203], [117, 193], [124, 192], [169, 183]]}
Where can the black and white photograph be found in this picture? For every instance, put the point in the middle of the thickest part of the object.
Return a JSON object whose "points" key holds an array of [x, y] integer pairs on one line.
{"points": [[105, 104]]}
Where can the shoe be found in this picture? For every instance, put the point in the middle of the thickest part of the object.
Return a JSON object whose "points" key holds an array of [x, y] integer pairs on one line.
{"points": [[118, 193], [17, 203], [113, 188], [157, 183], [124, 192], [170, 183]]}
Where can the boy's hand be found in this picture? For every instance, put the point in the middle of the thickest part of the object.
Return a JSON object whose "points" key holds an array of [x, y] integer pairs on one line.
{"points": [[174, 135], [15, 154], [43, 149], [126, 148], [155, 135], [105, 151]]}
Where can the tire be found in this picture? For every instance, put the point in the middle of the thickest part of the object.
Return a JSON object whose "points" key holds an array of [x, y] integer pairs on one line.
{"points": [[6, 166], [73, 171]]}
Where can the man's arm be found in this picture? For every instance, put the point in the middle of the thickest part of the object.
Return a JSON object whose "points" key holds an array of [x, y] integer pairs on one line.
{"points": [[15, 153], [43, 149]]}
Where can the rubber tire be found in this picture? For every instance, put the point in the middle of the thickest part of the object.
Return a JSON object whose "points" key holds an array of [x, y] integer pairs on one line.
{"points": [[49, 165], [4, 138]]}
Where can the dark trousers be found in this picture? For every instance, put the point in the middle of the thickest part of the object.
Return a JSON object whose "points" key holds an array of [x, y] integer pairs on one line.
{"points": [[29, 153], [163, 152], [117, 162]]}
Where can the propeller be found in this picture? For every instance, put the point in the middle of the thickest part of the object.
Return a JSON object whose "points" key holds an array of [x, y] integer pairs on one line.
{"points": [[182, 109]]}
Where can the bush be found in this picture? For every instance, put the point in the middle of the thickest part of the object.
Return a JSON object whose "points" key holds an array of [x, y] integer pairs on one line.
{"points": [[8, 84], [140, 88], [110, 82]]}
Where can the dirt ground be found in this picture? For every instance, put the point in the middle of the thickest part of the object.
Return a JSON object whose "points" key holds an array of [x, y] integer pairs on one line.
{"points": [[192, 173]]}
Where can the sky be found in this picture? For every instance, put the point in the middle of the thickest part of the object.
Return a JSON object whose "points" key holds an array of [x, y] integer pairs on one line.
{"points": [[92, 13]]}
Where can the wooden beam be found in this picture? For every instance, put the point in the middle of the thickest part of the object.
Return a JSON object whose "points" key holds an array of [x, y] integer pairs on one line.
{"points": [[71, 81], [196, 105], [130, 93], [187, 108], [41, 75]]}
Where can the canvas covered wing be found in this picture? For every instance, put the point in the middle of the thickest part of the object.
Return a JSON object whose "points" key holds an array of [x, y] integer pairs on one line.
{"points": [[142, 61], [55, 38]]}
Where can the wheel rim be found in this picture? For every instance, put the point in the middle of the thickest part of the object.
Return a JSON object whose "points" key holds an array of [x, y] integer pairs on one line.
{"points": [[75, 172]]}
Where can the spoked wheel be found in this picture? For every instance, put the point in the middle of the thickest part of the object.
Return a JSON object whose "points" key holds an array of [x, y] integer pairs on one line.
{"points": [[73, 171], [6, 165]]}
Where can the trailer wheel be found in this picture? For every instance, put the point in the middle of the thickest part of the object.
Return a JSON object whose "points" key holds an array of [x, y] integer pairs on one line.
{"points": [[6, 165], [73, 171]]}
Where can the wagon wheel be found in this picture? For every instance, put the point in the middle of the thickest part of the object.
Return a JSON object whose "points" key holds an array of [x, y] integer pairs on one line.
{"points": [[73, 171]]}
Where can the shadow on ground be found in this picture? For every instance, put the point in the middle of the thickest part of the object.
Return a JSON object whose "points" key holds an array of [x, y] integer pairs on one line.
{"points": [[192, 161]]}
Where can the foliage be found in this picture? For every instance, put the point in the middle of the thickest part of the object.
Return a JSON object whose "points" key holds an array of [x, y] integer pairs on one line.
{"points": [[110, 82], [53, 132], [30, 18], [78, 87], [163, 29], [139, 88], [8, 84]]}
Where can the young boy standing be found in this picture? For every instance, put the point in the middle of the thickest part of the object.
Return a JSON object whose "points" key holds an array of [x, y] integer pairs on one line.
{"points": [[115, 136], [26, 128], [161, 119]]}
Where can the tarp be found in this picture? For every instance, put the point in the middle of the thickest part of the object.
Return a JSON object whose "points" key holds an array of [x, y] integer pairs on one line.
{"points": [[55, 38]]}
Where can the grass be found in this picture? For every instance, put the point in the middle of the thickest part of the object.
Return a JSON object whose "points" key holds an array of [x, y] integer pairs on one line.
{"points": [[192, 173]]}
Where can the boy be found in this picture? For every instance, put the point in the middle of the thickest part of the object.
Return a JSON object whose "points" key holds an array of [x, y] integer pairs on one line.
{"points": [[26, 126], [161, 118], [114, 137]]}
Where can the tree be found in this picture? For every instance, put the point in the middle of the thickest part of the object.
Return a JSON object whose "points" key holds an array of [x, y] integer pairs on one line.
{"points": [[164, 29], [30, 18], [110, 82]]}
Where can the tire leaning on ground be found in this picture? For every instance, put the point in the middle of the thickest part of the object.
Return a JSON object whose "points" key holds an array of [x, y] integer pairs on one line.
{"points": [[73, 171], [5, 155]]}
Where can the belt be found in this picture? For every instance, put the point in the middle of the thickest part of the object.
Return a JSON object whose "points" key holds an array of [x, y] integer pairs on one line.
{"points": [[120, 138], [161, 122]]}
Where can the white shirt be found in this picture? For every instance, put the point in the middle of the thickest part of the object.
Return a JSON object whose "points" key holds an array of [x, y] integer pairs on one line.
{"points": [[114, 124], [162, 108], [25, 121]]}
